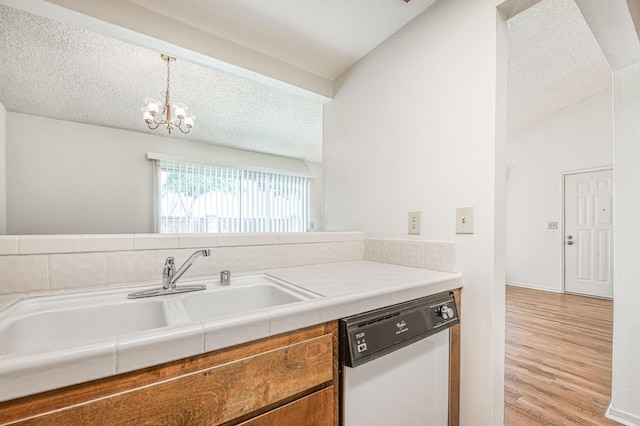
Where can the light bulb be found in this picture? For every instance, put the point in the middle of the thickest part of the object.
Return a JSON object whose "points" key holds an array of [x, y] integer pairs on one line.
{"points": [[180, 110], [152, 105], [188, 121], [146, 115]]}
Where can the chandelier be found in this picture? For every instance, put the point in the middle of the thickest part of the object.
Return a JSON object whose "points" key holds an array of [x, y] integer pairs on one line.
{"points": [[174, 116]]}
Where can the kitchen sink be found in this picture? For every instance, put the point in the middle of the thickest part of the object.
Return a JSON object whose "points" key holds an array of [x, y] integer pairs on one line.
{"points": [[39, 325], [47, 323], [244, 295]]}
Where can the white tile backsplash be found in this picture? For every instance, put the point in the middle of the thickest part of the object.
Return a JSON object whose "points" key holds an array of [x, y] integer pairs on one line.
{"points": [[349, 250], [8, 244], [155, 241], [345, 236], [198, 240], [315, 237], [77, 270], [359, 247], [390, 251], [23, 274], [412, 253], [436, 255], [318, 253], [291, 238], [132, 266], [440, 256], [221, 258], [94, 263], [274, 256], [35, 244], [372, 250], [231, 240], [264, 239], [249, 258], [107, 242]]}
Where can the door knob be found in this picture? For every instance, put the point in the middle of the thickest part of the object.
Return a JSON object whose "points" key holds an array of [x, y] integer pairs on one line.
{"points": [[569, 237], [570, 242]]}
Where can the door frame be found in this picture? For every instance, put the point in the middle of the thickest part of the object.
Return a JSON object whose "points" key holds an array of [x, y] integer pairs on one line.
{"points": [[562, 203]]}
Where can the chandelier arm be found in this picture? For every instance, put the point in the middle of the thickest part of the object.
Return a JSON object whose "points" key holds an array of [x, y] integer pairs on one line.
{"points": [[153, 128], [188, 130]]}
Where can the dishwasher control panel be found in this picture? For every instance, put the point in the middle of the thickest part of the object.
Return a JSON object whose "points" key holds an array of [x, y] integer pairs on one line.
{"points": [[369, 335]]}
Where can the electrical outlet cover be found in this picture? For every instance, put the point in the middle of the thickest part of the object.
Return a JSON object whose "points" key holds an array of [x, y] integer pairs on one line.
{"points": [[414, 223], [464, 220]]}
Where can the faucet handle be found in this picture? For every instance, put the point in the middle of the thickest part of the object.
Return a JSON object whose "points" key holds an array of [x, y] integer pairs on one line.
{"points": [[168, 271], [169, 266]]}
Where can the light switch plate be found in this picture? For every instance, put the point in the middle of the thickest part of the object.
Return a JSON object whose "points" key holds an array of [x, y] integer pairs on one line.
{"points": [[464, 220], [414, 223], [552, 225]]}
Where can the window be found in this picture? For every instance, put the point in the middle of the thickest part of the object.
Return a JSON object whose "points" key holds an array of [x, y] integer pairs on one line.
{"points": [[199, 198]]}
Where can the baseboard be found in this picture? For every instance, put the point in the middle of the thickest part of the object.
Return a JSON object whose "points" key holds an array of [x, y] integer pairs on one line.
{"points": [[533, 287], [622, 417]]}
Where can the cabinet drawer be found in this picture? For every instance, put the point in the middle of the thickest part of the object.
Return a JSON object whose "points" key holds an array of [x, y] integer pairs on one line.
{"points": [[212, 395], [314, 410]]}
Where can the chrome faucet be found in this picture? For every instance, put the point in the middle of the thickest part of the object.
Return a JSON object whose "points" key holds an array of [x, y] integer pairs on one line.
{"points": [[170, 277], [169, 274], [168, 271]]}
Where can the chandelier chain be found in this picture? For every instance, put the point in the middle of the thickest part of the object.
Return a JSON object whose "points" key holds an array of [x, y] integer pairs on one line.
{"points": [[168, 102]]}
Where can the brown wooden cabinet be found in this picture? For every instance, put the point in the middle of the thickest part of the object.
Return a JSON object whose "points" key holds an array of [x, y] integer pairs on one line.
{"points": [[278, 380], [313, 410]]}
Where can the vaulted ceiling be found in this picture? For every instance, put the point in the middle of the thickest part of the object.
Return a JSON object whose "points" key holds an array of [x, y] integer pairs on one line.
{"points": [[61, 64]]}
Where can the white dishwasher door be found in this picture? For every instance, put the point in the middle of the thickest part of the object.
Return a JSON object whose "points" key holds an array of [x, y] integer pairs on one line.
{"points": [[408, 387]]}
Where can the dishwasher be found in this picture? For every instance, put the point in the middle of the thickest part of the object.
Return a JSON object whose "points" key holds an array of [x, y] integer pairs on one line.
{"points": [[394, 364]]}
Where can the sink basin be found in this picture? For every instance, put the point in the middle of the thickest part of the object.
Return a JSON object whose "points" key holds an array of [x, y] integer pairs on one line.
{"points": [[39, 324], [244, 295], [42, 324]]}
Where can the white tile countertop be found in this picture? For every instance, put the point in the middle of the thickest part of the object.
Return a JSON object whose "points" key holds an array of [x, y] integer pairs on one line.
{"points": [[347, 288]]}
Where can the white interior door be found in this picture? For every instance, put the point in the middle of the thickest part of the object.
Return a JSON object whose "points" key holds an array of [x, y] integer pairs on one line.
{"points": [[588, 237]]}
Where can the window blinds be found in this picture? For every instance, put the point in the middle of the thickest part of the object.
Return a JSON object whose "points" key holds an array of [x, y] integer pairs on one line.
{"points": [[199, 198]]}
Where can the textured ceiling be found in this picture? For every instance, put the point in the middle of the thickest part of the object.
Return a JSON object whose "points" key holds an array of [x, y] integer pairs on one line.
{"points": [[55, 70], [554, 62], [58, 70]]}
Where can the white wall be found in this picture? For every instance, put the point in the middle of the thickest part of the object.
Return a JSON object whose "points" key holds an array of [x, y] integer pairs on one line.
{"points": [[625, 389], [3, 170], [412, 128], [576, 138], [65, 177]]}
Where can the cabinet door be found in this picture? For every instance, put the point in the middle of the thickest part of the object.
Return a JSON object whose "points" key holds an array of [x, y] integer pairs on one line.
{"points": [[314, 410]]}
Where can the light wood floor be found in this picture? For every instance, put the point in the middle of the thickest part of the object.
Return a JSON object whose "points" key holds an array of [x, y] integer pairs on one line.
{"points": [[557, 358]]}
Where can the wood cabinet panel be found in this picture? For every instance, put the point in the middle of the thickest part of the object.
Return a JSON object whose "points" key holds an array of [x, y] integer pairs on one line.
{"points": [[454, 366], [314, 410], [241, 381]]}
